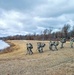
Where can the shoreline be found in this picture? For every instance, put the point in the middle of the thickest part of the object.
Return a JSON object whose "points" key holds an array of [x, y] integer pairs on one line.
{"points": [[8, 49]]}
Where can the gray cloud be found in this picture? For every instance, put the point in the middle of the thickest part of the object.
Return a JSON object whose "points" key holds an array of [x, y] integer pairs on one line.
{"points": [[53, 8], [29, 16], [20, 4]]}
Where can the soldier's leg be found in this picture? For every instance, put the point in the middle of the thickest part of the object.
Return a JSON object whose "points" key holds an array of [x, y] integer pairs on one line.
{"points": [[50, 47], [61, 45], [71, 44], [39, 49], [27, 51], [56, 47], [53, 47], [30, 52]]}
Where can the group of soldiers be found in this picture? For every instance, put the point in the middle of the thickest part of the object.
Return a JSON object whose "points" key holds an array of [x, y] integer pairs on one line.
{"points": [[40, 47], [52, 45]]}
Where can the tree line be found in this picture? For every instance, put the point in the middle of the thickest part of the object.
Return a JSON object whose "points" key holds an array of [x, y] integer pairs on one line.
{"points": [[66, 31]]}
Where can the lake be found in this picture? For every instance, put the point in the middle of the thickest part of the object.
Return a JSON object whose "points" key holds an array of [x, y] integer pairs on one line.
{"points": [[3, 45]]}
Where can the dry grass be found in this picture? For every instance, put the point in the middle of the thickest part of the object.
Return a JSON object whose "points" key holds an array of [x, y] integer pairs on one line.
{"points": [[59, 62]]}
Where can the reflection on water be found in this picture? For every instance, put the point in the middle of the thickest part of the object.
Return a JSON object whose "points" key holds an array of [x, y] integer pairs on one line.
{"points": [[3, 45]]}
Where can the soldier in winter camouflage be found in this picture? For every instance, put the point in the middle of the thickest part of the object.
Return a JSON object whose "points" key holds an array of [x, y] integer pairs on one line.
{"points": [[71, 42], [63, 40], [53, 44], [56, 43], [40, 47], [29, 48]]}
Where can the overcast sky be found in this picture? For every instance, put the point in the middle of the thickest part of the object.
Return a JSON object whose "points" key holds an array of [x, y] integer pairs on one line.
{"points": [[33, 16]]}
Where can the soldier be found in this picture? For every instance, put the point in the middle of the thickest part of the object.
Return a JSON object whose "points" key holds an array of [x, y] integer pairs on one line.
{"points": [[63, 40], [56, 43], [71, 42], [40, 47], [29, 48], [51, 45]]}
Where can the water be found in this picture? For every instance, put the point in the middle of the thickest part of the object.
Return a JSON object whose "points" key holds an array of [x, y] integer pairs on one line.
{"points": [[3, 45]]}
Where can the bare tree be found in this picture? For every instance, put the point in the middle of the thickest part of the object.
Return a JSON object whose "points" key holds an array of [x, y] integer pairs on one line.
{"points": [[45, 33], [72, 32], [65, 30]]}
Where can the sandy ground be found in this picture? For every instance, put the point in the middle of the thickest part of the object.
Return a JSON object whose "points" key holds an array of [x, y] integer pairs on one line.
{"points": [[59, 62]]}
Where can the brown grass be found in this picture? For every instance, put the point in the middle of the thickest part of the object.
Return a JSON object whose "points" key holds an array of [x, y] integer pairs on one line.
{"points": [[59, 62]]}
